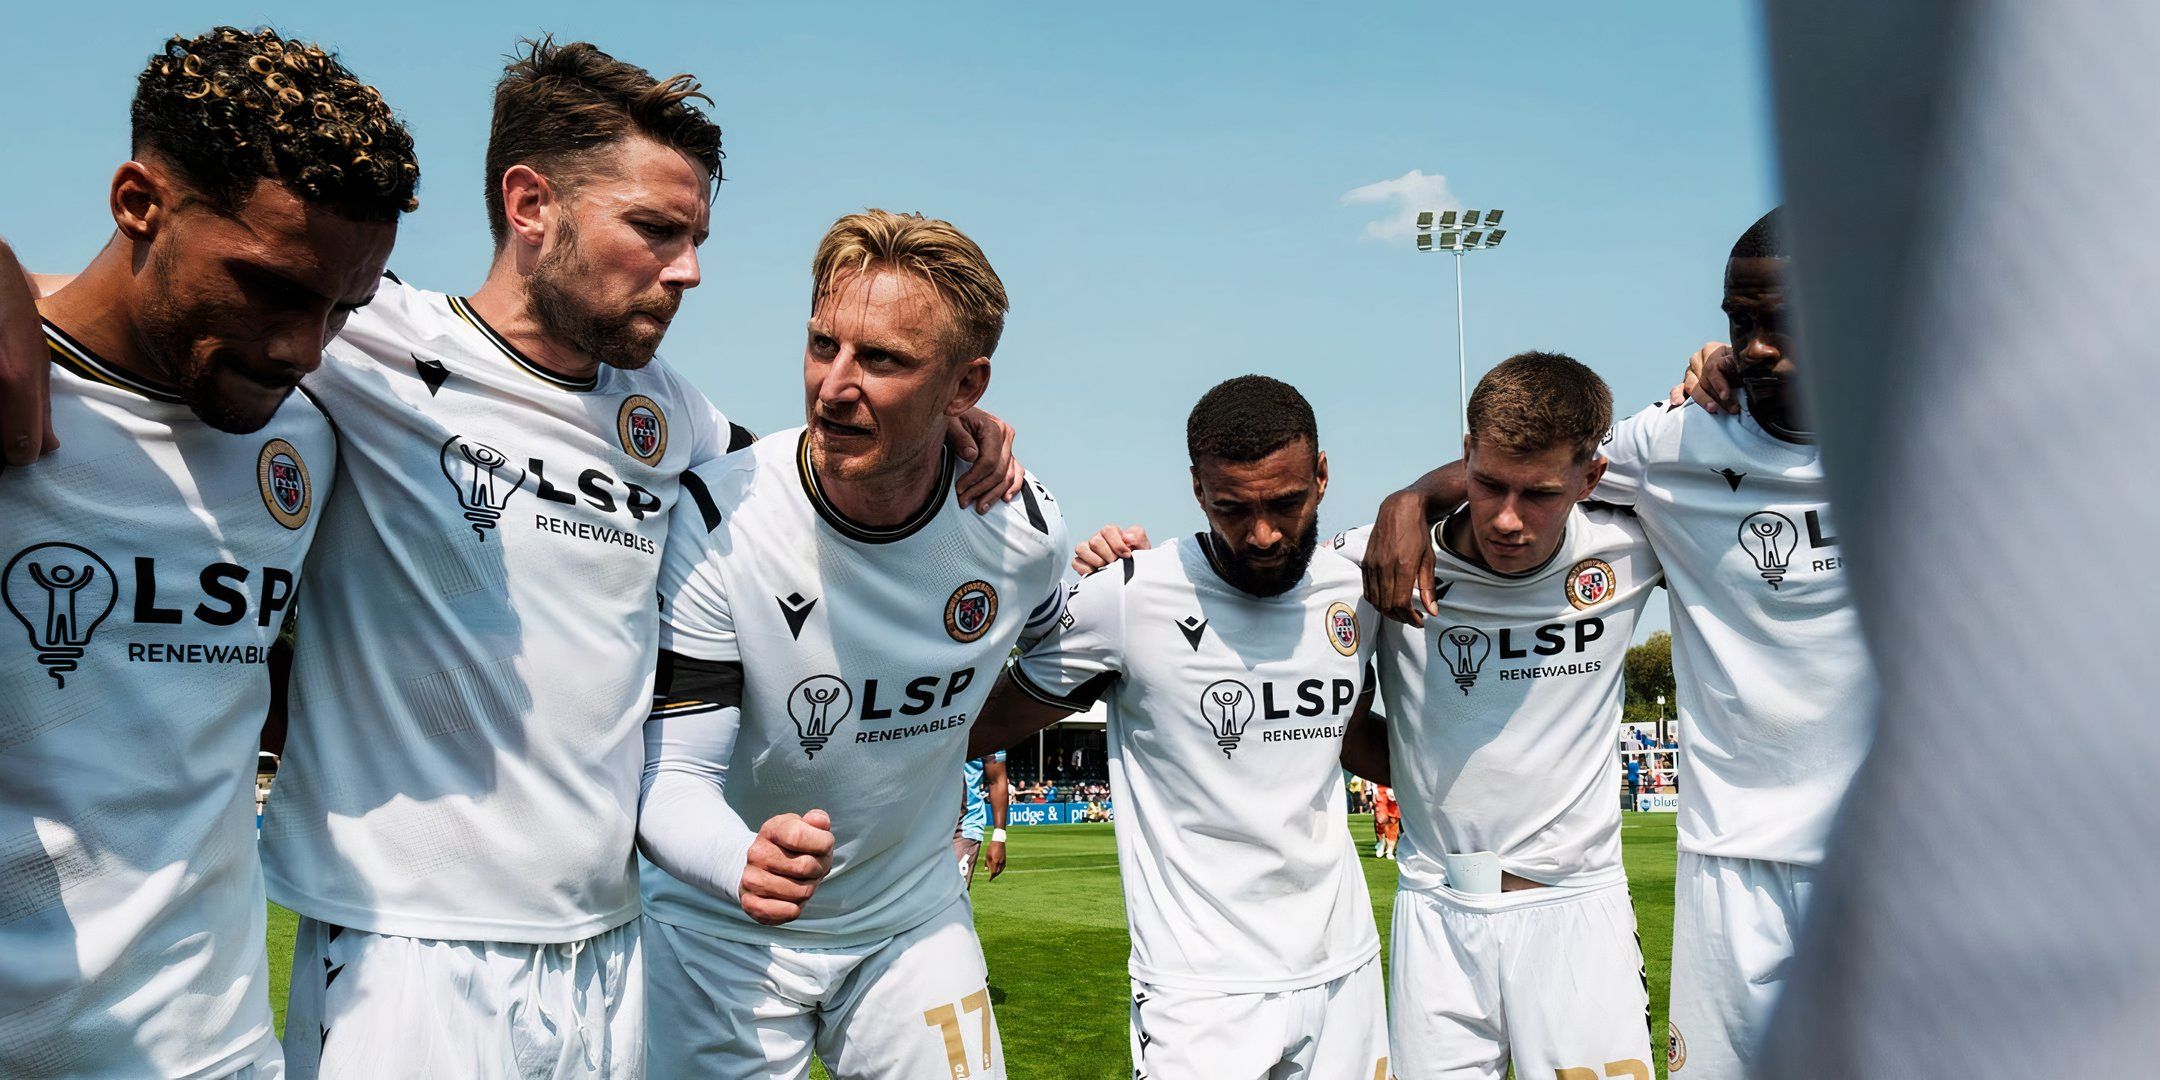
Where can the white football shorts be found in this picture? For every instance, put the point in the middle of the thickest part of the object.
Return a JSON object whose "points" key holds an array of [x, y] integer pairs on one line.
{"points": [[1335, 1029], [914, 1005], [367, 1006], [1733, 927], [1550, 980]]}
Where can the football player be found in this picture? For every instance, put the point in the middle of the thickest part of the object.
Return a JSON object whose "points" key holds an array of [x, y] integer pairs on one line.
{"points": [[152, 559], [985, 800], [1775, 684], [1232, 661], [1514, 938], [829, 629]]}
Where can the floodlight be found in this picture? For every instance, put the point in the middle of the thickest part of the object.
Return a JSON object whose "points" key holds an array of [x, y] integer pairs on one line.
{"points": [[1424, 220], [1447, 219], [1492, 218], [1492, 239], [1451, 240], [1471, 240], [1469, 219], [1424, 241]]}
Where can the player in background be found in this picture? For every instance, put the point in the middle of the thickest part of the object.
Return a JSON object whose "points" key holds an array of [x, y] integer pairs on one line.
{"points": [[1776, 687], [829, 631], [152, 559], [1387, 822], [1232, 661], [1514, 940], [985, 800]]}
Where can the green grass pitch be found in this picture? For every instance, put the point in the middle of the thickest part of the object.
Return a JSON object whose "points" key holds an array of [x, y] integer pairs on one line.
{"points": [[1053, 928]]}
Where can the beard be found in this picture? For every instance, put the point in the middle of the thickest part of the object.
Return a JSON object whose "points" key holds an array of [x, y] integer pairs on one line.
{"points": [[618, 337], [1268, 581], [1774, 402]]}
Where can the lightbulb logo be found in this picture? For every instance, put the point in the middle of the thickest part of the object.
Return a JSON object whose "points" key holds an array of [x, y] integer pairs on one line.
{"points": [[1769, 538], [819, 705], [483, 478], [1464, 649], [1227, 706], [60, 592]]}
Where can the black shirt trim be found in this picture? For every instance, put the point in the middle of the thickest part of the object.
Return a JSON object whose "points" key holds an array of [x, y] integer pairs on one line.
{"points": [[855, 530], [70, 354], [464, 310]]}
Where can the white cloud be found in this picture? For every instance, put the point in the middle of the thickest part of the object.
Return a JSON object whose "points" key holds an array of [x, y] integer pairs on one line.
{"points": [[1403, 197]]}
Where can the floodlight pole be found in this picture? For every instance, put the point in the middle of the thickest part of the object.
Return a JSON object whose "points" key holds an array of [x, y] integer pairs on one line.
{"points": [[1462, 355], [1459, 235]]}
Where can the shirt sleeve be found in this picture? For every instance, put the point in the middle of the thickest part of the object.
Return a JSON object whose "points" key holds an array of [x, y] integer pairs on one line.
{"points": [[1350, 544], [1084, 652], [695, 619], [1627, 455], [712, 434], [1050, 609], [685, 823]]}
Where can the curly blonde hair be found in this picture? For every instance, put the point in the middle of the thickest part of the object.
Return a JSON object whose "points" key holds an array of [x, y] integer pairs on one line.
{"points": [[233, 107]]}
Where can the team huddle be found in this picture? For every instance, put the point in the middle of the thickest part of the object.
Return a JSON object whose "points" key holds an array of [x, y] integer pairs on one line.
{"points": [[648, 767]]}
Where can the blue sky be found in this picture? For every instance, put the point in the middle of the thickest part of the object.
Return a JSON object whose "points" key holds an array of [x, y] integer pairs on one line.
{"points": [[1162, 187]]}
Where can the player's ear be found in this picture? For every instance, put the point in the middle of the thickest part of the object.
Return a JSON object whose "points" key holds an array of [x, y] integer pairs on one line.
{"points": [[141, 199], [974, 379], [1320, 474], [530, 204], [1591, 478], [1198, 495]]}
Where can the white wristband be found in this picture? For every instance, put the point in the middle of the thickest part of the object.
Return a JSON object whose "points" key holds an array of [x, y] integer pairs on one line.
{"points": [[997, 836]]}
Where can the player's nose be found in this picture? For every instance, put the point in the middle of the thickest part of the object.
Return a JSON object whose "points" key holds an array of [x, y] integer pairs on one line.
{"points": [[683, 271], [843, 378], [298, 346]]}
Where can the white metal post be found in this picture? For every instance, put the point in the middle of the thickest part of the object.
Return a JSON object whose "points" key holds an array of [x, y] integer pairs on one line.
{"points": [[1462, 362]]}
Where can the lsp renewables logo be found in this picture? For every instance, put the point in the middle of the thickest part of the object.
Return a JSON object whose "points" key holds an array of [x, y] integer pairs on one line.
{"points": [[60, 592]]}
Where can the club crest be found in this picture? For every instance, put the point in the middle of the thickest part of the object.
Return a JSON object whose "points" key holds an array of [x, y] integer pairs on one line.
{"points": [[1342, 628], [970, 611], [1590, 582], [642, 428], [283, 478]]}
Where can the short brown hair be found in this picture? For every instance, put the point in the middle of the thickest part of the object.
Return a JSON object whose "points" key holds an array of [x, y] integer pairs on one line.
{"points": [[929, 249], [557, 104], [1534, 401], [233, 107]]}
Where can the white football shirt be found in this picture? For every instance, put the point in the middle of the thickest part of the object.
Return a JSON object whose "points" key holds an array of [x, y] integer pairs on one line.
{"points": [[474, 660], [865, 653], [1501, 710], [147, 566], [1776, 691], [1225, 729]]}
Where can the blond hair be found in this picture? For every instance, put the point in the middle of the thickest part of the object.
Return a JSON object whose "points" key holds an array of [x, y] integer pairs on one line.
{"points": [[926, 248], [1534, 401]]}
